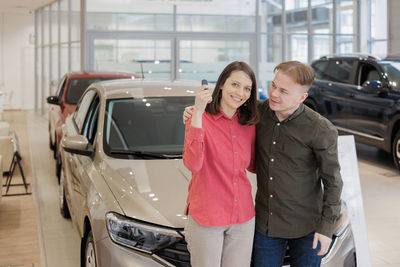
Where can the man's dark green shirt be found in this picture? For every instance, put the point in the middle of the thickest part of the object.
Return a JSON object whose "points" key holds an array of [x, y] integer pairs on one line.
{"points": [[294, 158]]}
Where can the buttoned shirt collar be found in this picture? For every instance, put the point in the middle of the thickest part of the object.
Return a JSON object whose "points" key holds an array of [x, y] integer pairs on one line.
{"points": [[222, 114], [294, 115]]}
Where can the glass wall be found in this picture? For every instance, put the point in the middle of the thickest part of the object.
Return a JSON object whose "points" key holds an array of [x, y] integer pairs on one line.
{"points": [[193, 65], [58, 44], [64, 56], [378, 28], [196, 39], [190, 40], [150, 58]]}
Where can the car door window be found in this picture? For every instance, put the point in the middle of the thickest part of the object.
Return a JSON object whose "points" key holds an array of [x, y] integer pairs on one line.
{"points": [[60, 89], [368, 73], [319, 68], [338, 70], [82, 109], [392, 70], [90, 124]]}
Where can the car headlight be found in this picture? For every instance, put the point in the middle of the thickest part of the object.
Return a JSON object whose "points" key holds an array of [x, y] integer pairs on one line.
{"points": [[137, 235], [343, 222]]}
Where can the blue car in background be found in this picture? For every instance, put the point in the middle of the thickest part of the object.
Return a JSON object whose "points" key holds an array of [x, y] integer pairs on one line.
{"points": [[360, 95]]}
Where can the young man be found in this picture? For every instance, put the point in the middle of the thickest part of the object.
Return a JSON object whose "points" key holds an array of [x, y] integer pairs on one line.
{"points": [[296, 150]]}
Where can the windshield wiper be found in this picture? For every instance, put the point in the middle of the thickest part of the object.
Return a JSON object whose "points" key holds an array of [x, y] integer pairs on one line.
{"points": [[144, 154]]}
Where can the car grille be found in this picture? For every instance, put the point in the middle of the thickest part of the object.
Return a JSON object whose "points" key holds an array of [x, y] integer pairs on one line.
{"points": [[176, 254]]}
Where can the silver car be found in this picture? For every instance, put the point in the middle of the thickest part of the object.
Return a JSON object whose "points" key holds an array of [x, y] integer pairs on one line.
{"points": [[123, 181]]}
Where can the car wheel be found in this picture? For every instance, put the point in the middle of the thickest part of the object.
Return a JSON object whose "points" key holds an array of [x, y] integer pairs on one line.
{"points": [[55, 147], [58, 168], [396, 150], [51, 145], [90, 252], [64, 210]]}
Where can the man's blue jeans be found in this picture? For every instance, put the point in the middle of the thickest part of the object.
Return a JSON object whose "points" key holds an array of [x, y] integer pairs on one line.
{"points": [[270, 251]]}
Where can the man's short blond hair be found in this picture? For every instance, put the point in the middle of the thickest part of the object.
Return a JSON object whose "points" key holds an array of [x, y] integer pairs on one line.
{"points": [[301, 73]]}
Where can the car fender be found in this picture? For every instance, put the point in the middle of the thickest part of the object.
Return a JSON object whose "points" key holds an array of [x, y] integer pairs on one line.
{"points": [[393, 127], [98, 202], [54, 118]]}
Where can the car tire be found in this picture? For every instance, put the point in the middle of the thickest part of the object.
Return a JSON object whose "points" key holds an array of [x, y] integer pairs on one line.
{"points": [[58, 168], [89, 259], [50, 143], [55, 147], [396, 150], [64, 210]]}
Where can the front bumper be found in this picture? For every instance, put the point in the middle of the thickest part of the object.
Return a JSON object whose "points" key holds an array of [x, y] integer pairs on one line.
{"points": [[341, 253], [111, 254]]}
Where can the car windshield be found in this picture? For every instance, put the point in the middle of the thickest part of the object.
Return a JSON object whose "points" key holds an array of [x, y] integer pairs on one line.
{"points": [[392, 69], [76, 87], [148, 128]]}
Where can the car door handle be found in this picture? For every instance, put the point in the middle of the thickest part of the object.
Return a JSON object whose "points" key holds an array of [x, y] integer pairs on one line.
{"points": [[351, 94]]}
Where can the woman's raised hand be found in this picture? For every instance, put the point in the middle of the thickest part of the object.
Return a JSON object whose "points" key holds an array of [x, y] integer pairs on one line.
{"points": [[203, 97]]}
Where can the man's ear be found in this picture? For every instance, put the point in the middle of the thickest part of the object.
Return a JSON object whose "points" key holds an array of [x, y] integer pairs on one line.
{"points": [[303, 97]]}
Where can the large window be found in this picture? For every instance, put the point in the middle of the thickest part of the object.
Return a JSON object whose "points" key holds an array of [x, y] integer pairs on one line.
{"points": [[150, 58], [194, 65], [378, 28], [195, 39], [58, 45]]}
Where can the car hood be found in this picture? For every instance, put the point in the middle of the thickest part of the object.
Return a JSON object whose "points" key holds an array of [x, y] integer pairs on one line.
{"points": [[154, 191]]}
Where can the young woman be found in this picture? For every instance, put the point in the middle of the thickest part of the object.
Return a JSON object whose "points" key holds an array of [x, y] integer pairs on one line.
{"points": [[219, 147]]}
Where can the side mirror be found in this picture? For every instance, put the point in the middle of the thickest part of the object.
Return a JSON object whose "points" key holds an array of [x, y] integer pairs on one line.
{"points": [[77, 144], [374, 86], [53, 100]]}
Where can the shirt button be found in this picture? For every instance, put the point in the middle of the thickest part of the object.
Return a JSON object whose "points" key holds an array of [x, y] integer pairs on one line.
{"points": [[270, 213], [271, 178], [271, 196], [234, 183], [234, 137], [272, 160], [273, 142], [236, 200], [235, 169], [278, 124], [235, 153]]}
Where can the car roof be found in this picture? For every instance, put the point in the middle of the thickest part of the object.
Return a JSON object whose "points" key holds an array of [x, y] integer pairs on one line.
{"points": [[127, 88], [101, 74], [360, 56]]}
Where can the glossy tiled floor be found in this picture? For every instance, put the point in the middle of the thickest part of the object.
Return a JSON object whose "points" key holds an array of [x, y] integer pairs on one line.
{"points": [[60, 242], [380, 184]]}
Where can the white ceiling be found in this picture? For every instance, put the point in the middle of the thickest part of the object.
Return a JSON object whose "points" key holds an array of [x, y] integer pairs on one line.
{"points": [[21, 6]]}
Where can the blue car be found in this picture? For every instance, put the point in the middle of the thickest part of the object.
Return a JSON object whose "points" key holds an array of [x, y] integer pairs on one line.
{"points": [[360, 95]]}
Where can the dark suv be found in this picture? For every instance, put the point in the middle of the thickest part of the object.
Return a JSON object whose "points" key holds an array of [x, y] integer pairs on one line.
{"points": [[360, 94]]}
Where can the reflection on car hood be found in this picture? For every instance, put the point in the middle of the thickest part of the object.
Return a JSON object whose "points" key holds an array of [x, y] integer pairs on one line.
{"points": [[149, 190]]}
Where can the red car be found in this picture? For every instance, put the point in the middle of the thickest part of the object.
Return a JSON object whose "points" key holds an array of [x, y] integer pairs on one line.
{"points": [[69, 91]]}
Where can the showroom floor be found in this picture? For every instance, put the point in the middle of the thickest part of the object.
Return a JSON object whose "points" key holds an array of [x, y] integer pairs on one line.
{"points": [[60, 243]]}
